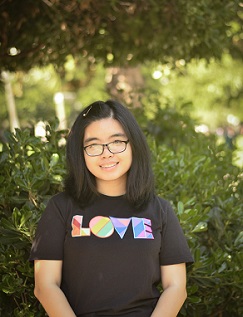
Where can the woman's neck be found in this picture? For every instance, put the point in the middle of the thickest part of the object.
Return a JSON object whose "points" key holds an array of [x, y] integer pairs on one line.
{"points": [[111, 188]]}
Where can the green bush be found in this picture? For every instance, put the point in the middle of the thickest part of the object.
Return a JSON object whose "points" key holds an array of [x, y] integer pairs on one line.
{"points": [[206, 189], [30, 172], [191, 171]]}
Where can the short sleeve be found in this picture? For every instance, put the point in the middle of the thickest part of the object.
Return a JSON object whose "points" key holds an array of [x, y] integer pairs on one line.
{"points": [[174, 247], [50, 234]]}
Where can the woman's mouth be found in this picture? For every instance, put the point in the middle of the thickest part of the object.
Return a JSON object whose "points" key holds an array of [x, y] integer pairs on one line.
{"points": [[108, 166]]}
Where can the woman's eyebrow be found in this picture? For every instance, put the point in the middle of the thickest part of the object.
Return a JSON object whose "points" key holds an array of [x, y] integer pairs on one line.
{"points": [[118, 134], [90, 140], [110, 137]]}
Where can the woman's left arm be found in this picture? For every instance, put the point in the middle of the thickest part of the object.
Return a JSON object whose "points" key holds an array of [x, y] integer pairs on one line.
{"points": [[174, 294]]}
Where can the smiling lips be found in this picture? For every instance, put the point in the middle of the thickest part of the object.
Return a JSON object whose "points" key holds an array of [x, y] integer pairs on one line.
{"points": [[107, 166]]}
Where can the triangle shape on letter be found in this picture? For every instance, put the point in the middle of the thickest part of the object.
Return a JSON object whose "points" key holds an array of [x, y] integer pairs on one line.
{"points": [[120, 225]]}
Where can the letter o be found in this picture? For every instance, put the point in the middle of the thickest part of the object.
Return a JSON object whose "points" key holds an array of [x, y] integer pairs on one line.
{"points": [[101, 227]]}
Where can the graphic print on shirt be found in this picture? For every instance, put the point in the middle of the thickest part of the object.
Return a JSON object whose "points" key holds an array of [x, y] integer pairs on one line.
{"points": [[104, 227]]}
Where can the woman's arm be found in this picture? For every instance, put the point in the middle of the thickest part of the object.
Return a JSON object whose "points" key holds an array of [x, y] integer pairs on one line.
{"points": [[48, 275], [174, 291]]}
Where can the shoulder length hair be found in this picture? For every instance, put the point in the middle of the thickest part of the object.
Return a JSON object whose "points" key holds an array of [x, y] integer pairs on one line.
{"points": [[80, 184]]}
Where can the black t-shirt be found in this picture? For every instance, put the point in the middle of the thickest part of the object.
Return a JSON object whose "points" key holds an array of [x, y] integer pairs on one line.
{"points": [[111, 253]]}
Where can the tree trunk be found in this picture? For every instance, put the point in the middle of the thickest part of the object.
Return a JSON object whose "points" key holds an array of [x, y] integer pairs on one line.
{"points": [[60, 110], [11, 107], [126, 84]]}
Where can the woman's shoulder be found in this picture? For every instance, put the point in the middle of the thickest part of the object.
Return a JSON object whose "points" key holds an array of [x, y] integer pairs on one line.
{"points": [[61, 197], [61, 201], [164, 207], [60, 206], [162, 202]]}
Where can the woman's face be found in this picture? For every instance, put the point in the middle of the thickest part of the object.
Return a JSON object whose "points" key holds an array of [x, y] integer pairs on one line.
{"points": [[110, 170]]}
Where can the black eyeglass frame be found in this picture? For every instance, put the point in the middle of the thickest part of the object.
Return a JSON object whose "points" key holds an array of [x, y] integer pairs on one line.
{"points": [[106, 145]]}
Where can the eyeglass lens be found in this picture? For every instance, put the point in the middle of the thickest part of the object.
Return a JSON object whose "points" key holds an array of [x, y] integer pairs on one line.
{"points": [[113, 147]]}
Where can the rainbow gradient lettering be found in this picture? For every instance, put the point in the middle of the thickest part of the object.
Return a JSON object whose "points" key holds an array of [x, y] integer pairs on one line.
{"points": [[104, 227]]}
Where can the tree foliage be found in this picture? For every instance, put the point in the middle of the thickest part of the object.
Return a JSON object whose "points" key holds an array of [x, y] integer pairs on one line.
{"points": [[208, 91], [34, 170], [116, 32]]}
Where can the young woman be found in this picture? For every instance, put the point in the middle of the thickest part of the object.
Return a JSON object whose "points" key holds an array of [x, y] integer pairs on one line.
{"points": [[105, 243]]}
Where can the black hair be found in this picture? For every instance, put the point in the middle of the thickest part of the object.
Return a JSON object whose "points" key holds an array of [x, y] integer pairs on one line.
{"points": [[80, 183]]}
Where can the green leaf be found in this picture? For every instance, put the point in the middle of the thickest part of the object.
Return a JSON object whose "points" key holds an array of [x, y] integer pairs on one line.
{"points": [[201, 227], [180, 207]]}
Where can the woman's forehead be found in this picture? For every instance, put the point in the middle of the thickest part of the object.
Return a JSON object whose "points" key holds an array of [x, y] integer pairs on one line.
{"points": [[106, 128]]}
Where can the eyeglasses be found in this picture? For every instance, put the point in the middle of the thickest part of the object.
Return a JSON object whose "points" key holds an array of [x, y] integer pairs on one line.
{"points": [[98, 149]]}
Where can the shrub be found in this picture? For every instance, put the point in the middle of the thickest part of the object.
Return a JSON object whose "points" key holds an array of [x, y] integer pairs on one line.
{"points": [[206, 189], [193, 173], [30, 172]]}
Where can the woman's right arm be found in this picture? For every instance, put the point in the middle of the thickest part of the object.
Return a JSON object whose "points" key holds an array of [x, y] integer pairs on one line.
{"points": [[48, 275]]}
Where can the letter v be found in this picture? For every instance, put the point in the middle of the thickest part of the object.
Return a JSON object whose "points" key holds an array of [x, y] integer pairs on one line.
{"points": [[120, 225]]}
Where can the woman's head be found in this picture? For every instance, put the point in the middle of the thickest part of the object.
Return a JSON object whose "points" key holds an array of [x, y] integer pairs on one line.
{"points": [[80, 182]]}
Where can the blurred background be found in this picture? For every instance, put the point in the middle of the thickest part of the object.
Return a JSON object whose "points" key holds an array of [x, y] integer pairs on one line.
{"points": [[177, 65], [57, 57]]}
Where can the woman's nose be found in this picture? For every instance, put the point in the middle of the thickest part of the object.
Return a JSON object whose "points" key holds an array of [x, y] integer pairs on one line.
{"points": [[106, 152]]}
